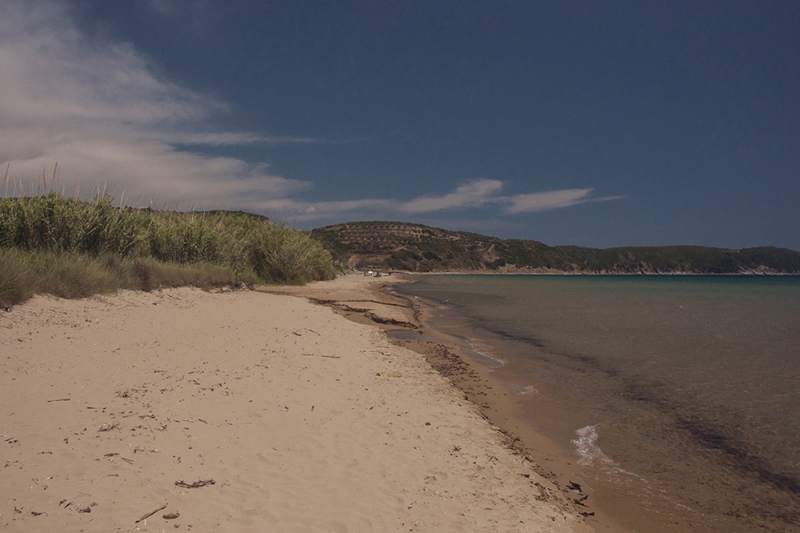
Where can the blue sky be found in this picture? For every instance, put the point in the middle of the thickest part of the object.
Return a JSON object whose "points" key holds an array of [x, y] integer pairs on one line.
{"points": [[570, 122]]}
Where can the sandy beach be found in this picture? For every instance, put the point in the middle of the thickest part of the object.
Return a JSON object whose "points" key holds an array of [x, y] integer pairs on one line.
{"points": [[247, 411]]}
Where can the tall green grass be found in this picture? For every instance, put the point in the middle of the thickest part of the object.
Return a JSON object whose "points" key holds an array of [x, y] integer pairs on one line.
{"points": [[72, 247]]}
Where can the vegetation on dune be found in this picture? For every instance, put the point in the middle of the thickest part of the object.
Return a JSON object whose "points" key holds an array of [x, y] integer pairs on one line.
{"points": [[71, 248]]}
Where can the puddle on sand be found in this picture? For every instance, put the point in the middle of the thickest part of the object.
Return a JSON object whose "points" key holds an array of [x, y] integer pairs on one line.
{"points": [[409, 335]]}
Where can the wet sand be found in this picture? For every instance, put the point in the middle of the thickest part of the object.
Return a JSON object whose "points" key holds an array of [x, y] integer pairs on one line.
{"points": [[245, 411]]}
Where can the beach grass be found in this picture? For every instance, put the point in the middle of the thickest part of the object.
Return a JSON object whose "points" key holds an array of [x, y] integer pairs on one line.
{"points": [[71, 247]]}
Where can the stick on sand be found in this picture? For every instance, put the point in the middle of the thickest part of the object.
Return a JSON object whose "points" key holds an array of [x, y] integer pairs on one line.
{"points": [[151, 513]]}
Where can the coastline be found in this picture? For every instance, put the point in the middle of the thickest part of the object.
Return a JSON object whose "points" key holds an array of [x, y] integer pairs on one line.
{"points": [[243, 410], [371, 302], [489, 389], [638, 503]]}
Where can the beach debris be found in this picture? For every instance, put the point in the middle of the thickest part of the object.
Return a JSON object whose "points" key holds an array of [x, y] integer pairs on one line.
{"points": [[35, 513], [574, 486], [581, 497], [139, 449], [108, 427], [151, 513], [130, 393], [87, 509], [115, 454], [59, 400], [323, 355], [196, 484], [171, 516]]}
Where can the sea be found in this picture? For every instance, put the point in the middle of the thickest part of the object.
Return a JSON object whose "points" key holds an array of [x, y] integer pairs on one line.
{"points": [[681, 392]]}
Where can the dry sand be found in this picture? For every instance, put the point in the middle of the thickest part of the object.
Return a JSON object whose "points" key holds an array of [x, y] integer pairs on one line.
{"points": [[305, 421]]}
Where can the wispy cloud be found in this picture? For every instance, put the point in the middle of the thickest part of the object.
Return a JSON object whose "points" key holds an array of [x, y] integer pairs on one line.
{"points": [[231, 139], [475, 193], [98, 110], [481, 193], [95, 107], [545, 201], [485, 192]]}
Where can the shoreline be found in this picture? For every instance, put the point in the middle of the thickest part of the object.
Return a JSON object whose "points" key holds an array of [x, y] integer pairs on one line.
{"points": [[479, 385], [489, 391], [244, 411], [666, 509]]}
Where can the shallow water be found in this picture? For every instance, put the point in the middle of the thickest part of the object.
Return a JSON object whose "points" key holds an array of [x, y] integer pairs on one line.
{"points": [[681, 388]]}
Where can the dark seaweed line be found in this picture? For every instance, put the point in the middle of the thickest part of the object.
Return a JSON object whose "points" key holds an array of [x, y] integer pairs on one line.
{"points": [[701, 431], [745, 462]]}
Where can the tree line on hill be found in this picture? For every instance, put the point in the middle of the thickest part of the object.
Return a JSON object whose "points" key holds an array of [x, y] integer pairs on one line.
{"points": [[419, 248]]}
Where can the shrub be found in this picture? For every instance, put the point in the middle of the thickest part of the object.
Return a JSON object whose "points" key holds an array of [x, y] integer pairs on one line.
{"points": [[72, 248]]}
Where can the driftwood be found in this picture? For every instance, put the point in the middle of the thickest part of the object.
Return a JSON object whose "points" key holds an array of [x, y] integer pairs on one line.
{"points": [[151, 513], [59, 400], [196, 484]]}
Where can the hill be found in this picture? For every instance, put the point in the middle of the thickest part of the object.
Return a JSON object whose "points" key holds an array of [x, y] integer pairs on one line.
{"points": [[418, 248]]}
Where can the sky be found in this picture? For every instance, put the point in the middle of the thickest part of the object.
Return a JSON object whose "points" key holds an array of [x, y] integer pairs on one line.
{"points": [[614, 123]]}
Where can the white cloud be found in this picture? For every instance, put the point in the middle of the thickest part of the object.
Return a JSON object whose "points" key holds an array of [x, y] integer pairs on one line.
{"points": [[543, 201], [484, 192], [299, 211], [230, 138], [475, 193], [96, 109]]}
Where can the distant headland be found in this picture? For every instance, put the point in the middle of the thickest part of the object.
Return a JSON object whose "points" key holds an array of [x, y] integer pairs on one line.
{"points": [[419, 248]]}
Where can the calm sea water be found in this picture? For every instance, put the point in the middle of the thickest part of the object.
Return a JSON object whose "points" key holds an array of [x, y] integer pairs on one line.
{"points": [[680, 388]]}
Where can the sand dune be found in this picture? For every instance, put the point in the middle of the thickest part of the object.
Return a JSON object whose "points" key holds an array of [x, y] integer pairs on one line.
{"points": [[303, 420]]}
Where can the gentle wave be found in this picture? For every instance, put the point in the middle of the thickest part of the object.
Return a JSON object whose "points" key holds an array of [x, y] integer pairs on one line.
{"points": [[479, 348], [590, 455], [589, 452]]}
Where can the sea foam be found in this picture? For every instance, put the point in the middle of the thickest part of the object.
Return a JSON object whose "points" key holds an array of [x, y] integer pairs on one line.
{"points": [[589, 452], [477, 347]]}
